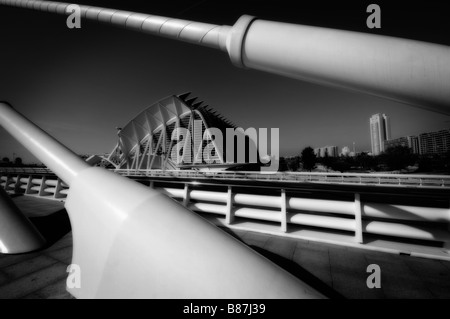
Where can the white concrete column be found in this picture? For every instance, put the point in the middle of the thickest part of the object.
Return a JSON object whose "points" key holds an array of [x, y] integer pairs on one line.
{"points": [[358, 219], [42, 188], [17, 185], [186, 195], [58, 188], [283, 211], [229, 217], [7, 181], [29, 184]]}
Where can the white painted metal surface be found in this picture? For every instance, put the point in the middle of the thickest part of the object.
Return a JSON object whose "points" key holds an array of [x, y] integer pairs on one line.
{"points": [[399, 69], [64, 162], [403, 70], [17, 234]]}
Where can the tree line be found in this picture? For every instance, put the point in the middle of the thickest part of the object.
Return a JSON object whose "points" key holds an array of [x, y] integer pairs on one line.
{"points": [[7, 162], [398, 158]]}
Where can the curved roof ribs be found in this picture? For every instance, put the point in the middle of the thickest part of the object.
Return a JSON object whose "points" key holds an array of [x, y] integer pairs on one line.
{"points": [[145, 142]]}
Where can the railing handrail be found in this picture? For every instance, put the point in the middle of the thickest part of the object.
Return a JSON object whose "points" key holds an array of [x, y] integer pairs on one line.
{"points": [[285, 173], [329, 178], [251, 173], [341, 177]]}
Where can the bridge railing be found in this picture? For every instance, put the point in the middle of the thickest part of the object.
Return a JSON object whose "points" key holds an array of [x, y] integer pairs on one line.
{"points": [[413, 180], [223, 198], [328, 216], [25, 170], [312, 177]]}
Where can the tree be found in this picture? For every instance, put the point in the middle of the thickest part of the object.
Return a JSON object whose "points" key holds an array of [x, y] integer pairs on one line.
{"points": [[397, 157], [341, 165], [327, 160], [282, 165], [5, 160], [18, 161], [293, 163], [308, 158], [365, 161]]}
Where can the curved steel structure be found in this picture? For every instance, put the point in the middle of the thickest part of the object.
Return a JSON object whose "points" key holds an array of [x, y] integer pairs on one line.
{"points": [[150, 140], [413, 72]]}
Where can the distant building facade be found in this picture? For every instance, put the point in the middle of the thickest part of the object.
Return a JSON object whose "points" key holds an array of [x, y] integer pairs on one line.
{"points": [[330, 151], [437, 142], [409, 141], [434, 142], [380, 131]]}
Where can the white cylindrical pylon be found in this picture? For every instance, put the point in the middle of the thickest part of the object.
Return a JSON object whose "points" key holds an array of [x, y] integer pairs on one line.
{"points": [[407, 71]]}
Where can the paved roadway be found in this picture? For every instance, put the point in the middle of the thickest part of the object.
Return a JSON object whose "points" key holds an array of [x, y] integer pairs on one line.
{"points": [[339, 272]]}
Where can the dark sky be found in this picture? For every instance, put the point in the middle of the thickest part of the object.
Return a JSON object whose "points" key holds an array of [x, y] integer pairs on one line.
{"points": [[79, 84]]}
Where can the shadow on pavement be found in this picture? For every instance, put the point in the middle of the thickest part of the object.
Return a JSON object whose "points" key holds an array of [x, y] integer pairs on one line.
{"points": [[52, 227], [293, 268], [300, 273]]}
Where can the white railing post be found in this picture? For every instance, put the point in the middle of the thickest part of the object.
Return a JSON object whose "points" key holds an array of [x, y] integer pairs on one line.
{"points": [[29, 184], [448, 222], [58, 188], [186, 197], [17, 185], [283, 211], [447, 243], [7, 182], [358, 219], [42, 187], [229, 217]]}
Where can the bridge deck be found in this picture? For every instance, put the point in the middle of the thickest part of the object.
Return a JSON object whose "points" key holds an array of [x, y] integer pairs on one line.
{"points": [[338, 271]]}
